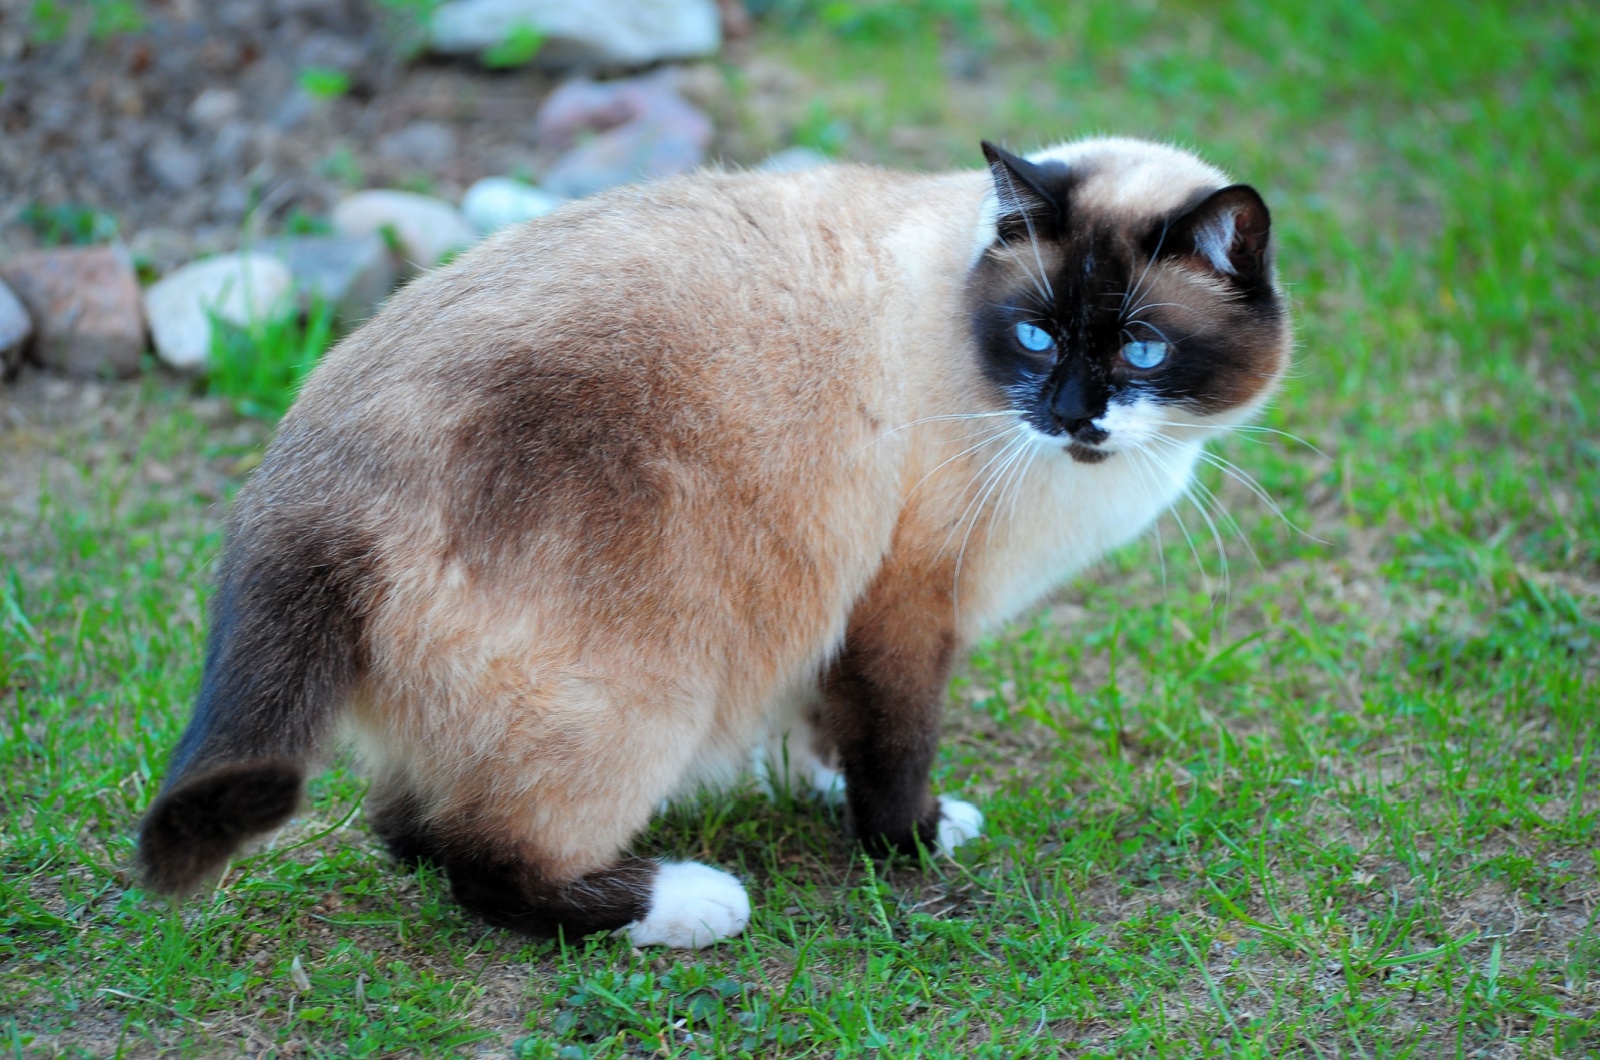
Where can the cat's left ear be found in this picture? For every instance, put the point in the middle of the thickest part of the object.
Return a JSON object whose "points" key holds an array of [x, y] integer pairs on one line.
{"points": [[1228, 232], [1022, 191]]}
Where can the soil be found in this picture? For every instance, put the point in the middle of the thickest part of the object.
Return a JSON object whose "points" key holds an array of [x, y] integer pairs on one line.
{"points": [[212, 120]]}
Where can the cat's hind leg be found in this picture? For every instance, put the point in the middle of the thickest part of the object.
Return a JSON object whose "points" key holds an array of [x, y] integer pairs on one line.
{"points": [[530, 835], [511, 883]]}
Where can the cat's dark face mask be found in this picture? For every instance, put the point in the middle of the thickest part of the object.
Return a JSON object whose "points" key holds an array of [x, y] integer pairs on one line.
{"points": [[1106, 329]]}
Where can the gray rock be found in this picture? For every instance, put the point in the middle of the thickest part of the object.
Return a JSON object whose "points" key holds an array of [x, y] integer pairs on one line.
{"points": [[352, 274], [644, 130], [238, 288], [494, 203], [793, 160], [84, 302], [174, 163], [214, 107], [594, 33], [296, 107], [16, 328], [422, 143], [427, 228]]}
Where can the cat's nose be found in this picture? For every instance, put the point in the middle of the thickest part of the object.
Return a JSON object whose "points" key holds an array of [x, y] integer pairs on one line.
{"points": [[1071, 408]]}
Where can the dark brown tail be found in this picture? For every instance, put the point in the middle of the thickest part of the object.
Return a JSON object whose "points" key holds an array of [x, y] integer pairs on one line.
{"points": [[287, 643]]}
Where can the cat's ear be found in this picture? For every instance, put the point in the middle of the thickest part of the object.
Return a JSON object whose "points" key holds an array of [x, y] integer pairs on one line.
{"points": [[1022, 191], [1227, 232]]}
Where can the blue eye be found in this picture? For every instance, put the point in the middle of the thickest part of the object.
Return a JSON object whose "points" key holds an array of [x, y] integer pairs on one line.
{"points": [[1144, 354], [1034, 338]]}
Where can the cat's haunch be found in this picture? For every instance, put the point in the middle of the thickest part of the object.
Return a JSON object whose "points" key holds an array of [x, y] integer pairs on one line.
{"points": [[726, 464]]}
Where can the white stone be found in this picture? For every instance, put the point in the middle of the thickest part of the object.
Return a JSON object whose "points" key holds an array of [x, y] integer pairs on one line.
{"points": [[494, 203], [691, 906], [16, 328], [427, 228], [593, 33], [238, 288]]}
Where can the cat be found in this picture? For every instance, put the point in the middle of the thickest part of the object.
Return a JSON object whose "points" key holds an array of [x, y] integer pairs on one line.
{"points": [[730, 461]]}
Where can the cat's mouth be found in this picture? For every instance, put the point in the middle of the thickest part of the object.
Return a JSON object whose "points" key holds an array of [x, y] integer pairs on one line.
{"points": [[1087, 454]]}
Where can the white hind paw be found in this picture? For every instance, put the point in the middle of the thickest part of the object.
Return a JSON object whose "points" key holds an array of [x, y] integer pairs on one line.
{"points": [[959, 822], [691, 906]]}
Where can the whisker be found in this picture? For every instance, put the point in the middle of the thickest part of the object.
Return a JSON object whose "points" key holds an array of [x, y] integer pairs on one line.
{"points": [[1249, 428], [1033, 236], [1141, 307], [1183, 527], [1142, 466], [991, 436], [1016, 450], [950, 416], [1245, 479], [1139, 284], [1152, 327]]}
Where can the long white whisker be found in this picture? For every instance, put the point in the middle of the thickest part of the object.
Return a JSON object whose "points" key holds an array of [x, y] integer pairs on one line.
{"points": [[1245, 479], [991, 436], [1017, 483], [1017, 435], [1249, 428], [1040, 282], [1142, 306], [1225, 570], [1214, 502], [950, 416], [1152, 327], [1033, 237], [1139, 284], [1177, 517], [1016, 451], [1145, 478]]}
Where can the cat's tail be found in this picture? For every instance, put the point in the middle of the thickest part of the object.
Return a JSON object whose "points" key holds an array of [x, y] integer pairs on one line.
{"points": [[287, 644]]}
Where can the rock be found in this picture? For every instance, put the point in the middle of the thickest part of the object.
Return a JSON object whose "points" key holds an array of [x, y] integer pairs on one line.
{"points": [[427, 228], [238, 288], [422, 143], [494, 203], [353, 274], [162, 249], [594, 33], [215, 107], [645, 130], [174, 163], [793, 160], [85, 307], [16, 328]]}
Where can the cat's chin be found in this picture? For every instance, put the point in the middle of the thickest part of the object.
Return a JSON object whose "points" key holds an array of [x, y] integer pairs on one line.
{"points": [[1085, 454]]}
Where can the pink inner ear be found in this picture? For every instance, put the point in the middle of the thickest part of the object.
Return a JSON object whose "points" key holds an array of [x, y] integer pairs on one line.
{"points": [[1215, 240], [1234, 239]]}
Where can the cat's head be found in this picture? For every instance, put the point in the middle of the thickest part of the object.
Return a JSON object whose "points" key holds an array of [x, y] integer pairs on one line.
{"points": [[1124, 288]]}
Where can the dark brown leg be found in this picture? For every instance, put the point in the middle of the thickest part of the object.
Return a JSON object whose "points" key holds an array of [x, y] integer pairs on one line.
{"points": [[885, 696]]}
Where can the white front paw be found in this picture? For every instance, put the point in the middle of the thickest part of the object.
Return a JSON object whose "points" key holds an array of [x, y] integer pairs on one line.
{"points": [[959, 822], [691, 906]]}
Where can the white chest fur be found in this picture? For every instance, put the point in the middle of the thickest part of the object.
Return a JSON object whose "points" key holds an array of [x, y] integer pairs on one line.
{"points": [[1063, 516]]}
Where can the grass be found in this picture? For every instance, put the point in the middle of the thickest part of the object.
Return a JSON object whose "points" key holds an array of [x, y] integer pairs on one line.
{"points": [[1340, 803]]}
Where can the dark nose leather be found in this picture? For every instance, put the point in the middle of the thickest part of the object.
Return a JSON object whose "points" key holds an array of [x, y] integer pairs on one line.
{"points": [[1071, 407]]}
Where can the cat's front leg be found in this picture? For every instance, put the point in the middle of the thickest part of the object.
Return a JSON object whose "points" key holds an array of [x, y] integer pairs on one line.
{"points": [[884, 698]]}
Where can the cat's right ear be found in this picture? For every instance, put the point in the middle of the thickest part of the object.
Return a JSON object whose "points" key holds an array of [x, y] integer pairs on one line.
{"points": [[1228, 232], [1022, 193]]}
